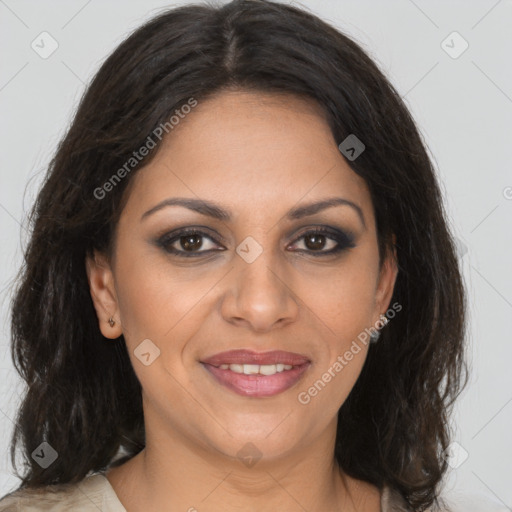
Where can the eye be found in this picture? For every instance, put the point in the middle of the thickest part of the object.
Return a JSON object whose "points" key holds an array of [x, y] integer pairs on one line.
{"points": [[319, 239], [187, 243]]}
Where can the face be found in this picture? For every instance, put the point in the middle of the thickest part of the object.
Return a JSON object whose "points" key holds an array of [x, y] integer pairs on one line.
{"points": [[267, 275]]}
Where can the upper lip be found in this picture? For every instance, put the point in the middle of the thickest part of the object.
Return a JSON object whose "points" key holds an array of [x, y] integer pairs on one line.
{"points": [[244, 356]]}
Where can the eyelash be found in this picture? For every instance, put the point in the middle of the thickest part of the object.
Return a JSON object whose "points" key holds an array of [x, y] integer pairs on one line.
{"points": [[344, 241]]}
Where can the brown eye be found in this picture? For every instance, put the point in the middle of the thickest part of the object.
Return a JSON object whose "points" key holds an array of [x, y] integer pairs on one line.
{"points": [[191, 242], [323, 241], [315, 242]]}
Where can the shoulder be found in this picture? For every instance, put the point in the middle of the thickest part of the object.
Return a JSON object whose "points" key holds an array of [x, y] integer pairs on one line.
{"points": [[91, 494]]}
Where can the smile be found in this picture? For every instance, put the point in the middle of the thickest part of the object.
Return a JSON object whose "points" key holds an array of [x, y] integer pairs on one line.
{"points": [[253, 369], [249, 373]]}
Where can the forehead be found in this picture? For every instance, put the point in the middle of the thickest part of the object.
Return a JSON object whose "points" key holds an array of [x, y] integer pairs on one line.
{"points": [[250, 150]]}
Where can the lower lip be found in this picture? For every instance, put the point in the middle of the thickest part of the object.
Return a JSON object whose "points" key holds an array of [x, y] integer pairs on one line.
{"points": [[258, 385]]}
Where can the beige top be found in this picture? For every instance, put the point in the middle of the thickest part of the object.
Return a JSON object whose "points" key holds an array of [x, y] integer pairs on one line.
{"points": [[94, 493]]}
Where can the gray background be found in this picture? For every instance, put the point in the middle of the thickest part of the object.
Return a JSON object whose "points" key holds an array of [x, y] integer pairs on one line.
{"points": [[463, 106]]}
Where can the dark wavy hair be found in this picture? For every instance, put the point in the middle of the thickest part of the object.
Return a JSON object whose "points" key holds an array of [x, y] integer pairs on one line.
{"points": [[82, 394]]}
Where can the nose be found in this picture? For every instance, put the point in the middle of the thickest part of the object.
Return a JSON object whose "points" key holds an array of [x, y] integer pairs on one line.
{"points": [[259, 296]]}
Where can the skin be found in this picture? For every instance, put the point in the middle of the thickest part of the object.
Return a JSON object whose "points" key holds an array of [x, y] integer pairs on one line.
{"points": [[258, 155]]}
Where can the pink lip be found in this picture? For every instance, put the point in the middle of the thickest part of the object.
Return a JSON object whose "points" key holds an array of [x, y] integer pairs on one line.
{"points": [[257, 385], [250, 357]]}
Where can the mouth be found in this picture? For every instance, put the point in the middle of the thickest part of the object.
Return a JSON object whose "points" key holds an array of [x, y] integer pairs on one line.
{"points": [[249, 373]]}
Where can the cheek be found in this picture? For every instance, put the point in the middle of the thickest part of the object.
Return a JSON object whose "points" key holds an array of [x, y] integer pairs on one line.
{"points": [[343, 302], [149, 293], [342, 297], [145, 300], [161, 302]]}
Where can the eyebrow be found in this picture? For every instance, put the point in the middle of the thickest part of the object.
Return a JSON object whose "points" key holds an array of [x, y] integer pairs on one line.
{"points": [[215, 211]]}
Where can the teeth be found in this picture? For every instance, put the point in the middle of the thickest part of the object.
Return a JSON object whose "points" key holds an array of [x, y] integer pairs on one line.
{"points": [[251, 369], [256, 369]]}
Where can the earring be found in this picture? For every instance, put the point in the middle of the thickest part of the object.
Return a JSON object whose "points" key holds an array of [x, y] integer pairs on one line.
{"points": [[384, 319], [375, 335], [111, 322]]}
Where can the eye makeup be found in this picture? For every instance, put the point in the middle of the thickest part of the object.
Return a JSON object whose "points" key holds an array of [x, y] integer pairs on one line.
{"points": [[188, 242]]}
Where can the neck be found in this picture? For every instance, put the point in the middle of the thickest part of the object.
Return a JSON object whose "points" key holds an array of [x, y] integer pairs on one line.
{"points": [[176, 473]]}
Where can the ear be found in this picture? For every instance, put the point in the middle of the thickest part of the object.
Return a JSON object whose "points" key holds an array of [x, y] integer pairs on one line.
{"points": [[103, 293], [387, 279]]}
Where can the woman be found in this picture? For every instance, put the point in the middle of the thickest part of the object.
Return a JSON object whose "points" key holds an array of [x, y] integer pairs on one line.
{"points": [[241, 292]]}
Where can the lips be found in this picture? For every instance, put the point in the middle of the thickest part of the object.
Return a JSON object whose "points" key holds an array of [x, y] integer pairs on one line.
{"points": [[259, 358], [257, 384]]}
